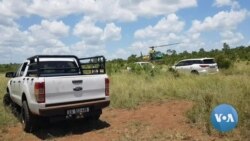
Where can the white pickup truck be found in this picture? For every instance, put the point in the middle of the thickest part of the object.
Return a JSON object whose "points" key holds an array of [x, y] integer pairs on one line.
{"points": [[59, 86]]}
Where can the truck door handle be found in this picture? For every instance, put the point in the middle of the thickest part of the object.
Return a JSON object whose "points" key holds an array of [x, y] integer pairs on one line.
{"points": [[19, 81]]}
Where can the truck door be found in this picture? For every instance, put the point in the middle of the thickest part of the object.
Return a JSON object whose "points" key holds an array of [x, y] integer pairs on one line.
{"points": [[13, 84], [18, 84]]}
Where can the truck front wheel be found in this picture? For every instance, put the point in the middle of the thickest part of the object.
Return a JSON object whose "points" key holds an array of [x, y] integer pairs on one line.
{"points": [[27, 118], [6, 99]]}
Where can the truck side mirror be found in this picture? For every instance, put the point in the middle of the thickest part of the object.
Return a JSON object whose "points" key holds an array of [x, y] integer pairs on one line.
{"points": [[10, 74]]}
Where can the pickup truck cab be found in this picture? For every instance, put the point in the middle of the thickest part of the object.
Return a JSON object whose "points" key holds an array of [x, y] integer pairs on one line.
{"points": [[59, 86]]}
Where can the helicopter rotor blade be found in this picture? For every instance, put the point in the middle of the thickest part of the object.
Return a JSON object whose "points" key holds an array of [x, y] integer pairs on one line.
{"points": [[167, 45]]}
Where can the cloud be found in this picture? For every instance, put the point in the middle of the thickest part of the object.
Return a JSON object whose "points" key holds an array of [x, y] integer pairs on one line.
{"points": [[47, 34], [167, 26], [99, 26], [58, 28], [47, 28], [36, 40], [119, 53], [223, 20], [52, 9], [220, 3], [170, 29], [159, 7], [103, 10], [225, 24], [231, 38], [167, 30], [112, 32], [11, 10], [92, 34], [87, 30], [83, 49]]}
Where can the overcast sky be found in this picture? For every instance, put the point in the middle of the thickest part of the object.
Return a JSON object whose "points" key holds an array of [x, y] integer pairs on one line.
{"points": [[118, 28]]}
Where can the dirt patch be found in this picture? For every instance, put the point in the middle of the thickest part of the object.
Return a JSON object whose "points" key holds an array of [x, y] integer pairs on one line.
{"points": [[154, 121]]}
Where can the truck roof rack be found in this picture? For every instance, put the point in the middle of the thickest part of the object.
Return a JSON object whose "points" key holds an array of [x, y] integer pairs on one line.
{"points": [[52, 56], [87, 65]]}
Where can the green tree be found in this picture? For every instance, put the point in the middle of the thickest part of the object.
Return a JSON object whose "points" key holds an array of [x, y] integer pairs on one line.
{"points": [[132, 58]]}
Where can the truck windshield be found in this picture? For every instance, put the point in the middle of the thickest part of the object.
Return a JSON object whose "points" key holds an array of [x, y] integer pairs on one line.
{"points": [[57, 68]]}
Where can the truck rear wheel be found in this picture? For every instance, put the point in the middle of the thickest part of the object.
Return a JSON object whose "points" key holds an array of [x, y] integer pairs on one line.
{"points": [[95, 115], [27, 118]]}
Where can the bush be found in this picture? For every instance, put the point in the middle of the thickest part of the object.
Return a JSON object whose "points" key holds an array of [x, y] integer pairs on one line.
{"points": [[114, 68], [223, 61]]}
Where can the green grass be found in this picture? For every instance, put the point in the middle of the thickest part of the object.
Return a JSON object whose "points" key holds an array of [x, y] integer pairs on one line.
{"points": [[6, 117]]}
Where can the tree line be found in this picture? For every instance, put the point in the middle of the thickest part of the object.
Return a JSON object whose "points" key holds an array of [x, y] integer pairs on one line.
{"points": [[224, 57]]}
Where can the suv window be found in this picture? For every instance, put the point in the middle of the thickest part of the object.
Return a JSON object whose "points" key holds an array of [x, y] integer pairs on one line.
{"points": [[190, 62], [183, 63], [208, 61], [196, 62]]}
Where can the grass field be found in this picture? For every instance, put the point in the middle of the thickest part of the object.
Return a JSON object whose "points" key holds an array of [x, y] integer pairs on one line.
{"points": [[6, 117], [232, 86], [128, 90]]}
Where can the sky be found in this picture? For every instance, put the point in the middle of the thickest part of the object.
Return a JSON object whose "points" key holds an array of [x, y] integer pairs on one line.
{"points": [[118, 28]]}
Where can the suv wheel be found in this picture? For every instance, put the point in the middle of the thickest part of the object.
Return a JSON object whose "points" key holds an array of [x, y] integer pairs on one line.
{"points": [[27, 118], [195, 72]]}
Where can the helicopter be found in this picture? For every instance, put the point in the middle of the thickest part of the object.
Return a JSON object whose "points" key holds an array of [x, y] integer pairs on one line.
{"points": [[155, 55]]}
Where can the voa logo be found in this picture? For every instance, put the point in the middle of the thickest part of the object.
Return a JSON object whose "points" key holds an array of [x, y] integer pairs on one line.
{"points": [[224, 118]]}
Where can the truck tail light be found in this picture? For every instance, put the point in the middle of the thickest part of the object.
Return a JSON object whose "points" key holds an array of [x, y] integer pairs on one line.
{"points": [[203, 66], [106, 87], [40, 92]]}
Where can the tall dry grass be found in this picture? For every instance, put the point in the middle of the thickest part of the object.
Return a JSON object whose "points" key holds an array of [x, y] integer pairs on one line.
{"points": [[231, 86]]}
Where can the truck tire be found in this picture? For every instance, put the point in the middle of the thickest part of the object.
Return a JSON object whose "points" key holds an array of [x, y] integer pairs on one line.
{"points": [[6, 99], [95, 116], [27, 118]]}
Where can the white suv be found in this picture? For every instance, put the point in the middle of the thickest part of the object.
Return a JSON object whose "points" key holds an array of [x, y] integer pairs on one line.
{"points": [[197, 66], [142, 64]]}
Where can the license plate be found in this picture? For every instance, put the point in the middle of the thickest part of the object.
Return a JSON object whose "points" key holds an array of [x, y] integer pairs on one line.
{"points": [[77, 111], [212, 66]]}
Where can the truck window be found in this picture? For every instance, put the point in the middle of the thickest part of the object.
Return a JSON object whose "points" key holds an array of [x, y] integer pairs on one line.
{"points": [[21, 70], [57, 68]]}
